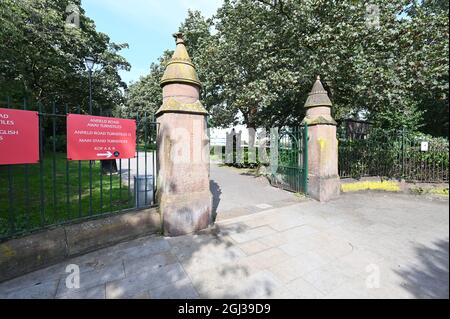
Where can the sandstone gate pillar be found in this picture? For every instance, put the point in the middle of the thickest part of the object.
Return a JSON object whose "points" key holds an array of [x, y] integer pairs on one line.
{"points": [[183, 148], [324, 183]]}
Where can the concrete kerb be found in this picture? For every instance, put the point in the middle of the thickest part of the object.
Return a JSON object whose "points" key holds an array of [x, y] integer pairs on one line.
{"points": [[19, 256]]}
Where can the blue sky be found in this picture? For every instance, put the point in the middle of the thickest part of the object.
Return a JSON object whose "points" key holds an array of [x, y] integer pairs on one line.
{"points": [[146, 25]]}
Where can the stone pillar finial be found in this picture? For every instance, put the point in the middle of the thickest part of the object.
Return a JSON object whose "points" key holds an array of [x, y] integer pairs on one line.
{"points": [[324, 183], [179, 37]]}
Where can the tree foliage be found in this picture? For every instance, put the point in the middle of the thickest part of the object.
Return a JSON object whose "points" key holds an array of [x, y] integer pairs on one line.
{"points": [[384, 60], [42, 56]]}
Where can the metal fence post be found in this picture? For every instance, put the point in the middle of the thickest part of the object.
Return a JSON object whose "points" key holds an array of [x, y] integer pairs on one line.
{"points": [[402, 172]]}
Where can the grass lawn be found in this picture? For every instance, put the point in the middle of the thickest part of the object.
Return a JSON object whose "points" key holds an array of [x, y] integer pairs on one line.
{"points": [[60, 194]]}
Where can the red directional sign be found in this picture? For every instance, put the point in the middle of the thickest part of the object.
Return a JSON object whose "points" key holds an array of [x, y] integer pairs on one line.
{"points": [[19, 136], [96, 137]]}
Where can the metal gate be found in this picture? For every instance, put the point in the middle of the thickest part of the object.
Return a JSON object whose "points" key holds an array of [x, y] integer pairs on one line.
{"points": [[291, 171]]}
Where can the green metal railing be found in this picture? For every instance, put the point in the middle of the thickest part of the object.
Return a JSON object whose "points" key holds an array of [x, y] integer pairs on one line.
{"points": [[394, 154], [57, 191]]}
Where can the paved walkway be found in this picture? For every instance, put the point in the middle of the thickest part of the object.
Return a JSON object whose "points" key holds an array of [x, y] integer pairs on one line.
{"points": [[372, 245], [236, 193]]}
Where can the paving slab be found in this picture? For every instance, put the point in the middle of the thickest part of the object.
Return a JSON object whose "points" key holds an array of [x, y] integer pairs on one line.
{"points": [[226, 282], [182, 289], [41, 290], [94, 278], [254, 246], [252, 234], [302, 289], [327, 278], [148, 263], [296, 267], [135, 285], [264, 259], [98, 292]]}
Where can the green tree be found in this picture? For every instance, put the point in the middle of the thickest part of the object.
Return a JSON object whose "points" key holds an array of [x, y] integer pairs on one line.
{"points": [[42, 56], [373, 60], [429, 71], [384, 60], [376, 59]]}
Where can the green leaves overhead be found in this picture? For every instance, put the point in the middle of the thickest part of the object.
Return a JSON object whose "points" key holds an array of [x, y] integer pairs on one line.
{"points": [[383, 60], [42, 56]]}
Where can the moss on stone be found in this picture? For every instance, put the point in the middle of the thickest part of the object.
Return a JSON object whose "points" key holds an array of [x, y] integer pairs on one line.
{"points": [[321, 119], [7, 251], [172, 105], [440, 191], [418, 190]]}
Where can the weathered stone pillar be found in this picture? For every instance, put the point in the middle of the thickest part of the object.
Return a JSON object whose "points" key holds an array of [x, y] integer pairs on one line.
{"points": [[324, 183], [183, 148]]}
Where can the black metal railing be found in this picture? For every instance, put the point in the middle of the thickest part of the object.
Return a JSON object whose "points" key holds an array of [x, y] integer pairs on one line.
{"points": [[57, 191], [394, 154]]}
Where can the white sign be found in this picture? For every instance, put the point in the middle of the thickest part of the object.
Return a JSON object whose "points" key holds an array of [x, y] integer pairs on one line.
{"points": [[424, 146]]}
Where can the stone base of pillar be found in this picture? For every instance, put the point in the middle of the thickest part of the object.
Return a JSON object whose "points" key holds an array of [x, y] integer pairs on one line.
{"points": [[324, 188], [186, 213]]}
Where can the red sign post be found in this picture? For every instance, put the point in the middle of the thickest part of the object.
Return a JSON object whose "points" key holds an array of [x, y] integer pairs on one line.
{"points": [[96, 137], [19, 137]]}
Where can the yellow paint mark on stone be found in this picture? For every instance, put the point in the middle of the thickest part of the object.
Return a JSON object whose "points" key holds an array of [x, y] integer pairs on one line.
{"points": [[7, 251], [322, 143], [388, 186], [322, 153]]}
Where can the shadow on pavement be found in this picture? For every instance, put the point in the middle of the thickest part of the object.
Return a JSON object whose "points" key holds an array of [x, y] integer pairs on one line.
{"points": [[216, 192], [430, 278]]}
